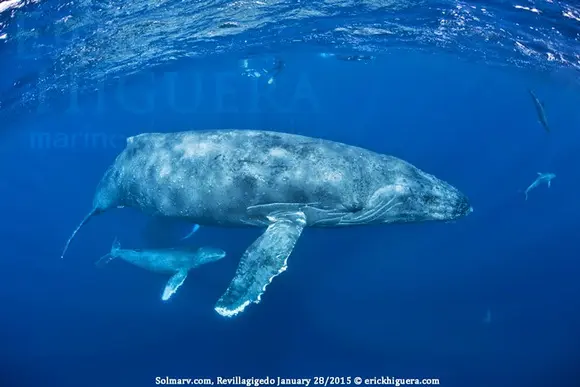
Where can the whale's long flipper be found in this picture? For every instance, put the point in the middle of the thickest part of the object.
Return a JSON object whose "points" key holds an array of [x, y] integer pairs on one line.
{"points": [[173, 284], [263, 260], [193, 230]]}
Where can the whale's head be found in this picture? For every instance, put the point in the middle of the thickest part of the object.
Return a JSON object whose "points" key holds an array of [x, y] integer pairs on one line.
{"points": [[419, 197], [108, 194], [208, 254]]}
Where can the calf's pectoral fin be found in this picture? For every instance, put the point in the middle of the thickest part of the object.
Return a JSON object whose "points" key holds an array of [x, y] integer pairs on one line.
{"points": [[173, 284], [263, 260]]}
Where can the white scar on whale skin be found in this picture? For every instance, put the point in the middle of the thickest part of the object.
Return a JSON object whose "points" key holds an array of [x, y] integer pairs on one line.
{"points": [[165, 170], [333, 176], [192, 149], [278, 152]]}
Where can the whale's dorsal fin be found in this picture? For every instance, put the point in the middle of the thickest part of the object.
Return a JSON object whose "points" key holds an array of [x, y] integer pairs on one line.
{"points": [[263, 260], [173, 284]]}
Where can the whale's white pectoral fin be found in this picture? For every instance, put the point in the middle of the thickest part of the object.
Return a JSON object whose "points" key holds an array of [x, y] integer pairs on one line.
{"points": [[193, 230], [173, 284], [263, 260], [549, 183]]}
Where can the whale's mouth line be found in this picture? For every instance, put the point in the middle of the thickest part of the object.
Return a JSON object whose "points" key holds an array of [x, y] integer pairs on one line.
{"points": [[371, 216]]}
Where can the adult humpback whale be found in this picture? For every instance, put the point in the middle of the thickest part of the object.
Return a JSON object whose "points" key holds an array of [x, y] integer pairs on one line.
{"points": [[283, 182]]}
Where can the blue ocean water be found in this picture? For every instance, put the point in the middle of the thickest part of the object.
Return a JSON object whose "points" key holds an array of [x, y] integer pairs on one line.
{"points": [[489, 300]]}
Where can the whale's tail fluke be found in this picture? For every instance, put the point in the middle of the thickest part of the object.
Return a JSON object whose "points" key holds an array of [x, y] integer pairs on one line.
{"points": [[116, 246], [93, 212]]}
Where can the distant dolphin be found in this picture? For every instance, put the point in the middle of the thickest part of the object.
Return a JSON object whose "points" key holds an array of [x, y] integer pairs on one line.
{"points": [[174, 261], [540, 111], [279, 182], [542, 178]]}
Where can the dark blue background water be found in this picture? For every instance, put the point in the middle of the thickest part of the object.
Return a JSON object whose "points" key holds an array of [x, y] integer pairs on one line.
{"points": [[405, 301]]}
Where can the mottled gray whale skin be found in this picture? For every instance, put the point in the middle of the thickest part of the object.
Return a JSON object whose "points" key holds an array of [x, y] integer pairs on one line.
{"points": [[281, 181]]}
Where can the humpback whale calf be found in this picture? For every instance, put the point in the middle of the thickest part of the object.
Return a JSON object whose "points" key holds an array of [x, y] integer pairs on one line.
{"points": [[174, 261], [278, 181]]}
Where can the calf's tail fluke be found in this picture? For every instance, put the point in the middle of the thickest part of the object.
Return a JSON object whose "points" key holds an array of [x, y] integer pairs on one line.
{"points": [[94, 211]]}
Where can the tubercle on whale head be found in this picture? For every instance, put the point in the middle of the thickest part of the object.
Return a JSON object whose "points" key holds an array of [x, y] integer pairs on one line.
{"points": [[440, 205], [427, 198], [462, 206], [445, 202]]}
